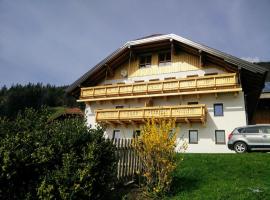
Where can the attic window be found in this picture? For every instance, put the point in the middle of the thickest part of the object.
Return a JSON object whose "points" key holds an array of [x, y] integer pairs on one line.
{"points": [[210, 74], [193, 103], [195, 75], [156, 79], [164, 58], [169, 78], [139, 81], [145, 61]]}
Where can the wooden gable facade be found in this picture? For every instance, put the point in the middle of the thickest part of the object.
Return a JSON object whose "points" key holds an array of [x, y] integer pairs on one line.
{"points": [[123, 74]]}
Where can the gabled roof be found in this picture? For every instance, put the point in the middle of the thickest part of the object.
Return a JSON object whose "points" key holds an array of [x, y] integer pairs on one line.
{"points": [[234, 61], [65, 113]]}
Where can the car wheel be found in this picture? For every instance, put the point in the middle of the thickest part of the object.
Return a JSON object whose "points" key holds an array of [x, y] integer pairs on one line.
{"points": [[240, 147]]}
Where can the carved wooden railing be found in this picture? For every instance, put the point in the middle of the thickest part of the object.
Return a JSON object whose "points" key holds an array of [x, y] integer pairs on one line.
{"points": [[182, 113], [191, 84]]}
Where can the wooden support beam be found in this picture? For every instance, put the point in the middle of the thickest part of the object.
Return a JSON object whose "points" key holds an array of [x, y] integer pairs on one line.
{"points": [[111, 101], [88, 103], [110, 72], [216, 95], [180, 99], [202, 58], [135, 124], [148, 102], [120, 122], [165, 98], [111, 124], [188, 122], [203, 122]]}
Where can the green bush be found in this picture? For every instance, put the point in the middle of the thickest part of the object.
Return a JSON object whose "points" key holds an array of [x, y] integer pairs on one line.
{"points": [[53, 160]]}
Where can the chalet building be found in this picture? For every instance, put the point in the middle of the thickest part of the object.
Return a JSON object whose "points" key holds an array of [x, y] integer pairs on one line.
{"points": [[208, 92]]}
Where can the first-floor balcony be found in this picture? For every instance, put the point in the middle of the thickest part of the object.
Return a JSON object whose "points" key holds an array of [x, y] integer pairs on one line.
{"points": [[182, 113], [221, 83]]}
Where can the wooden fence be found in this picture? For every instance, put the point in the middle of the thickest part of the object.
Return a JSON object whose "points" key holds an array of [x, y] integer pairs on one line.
{"points": [[129, 163]]}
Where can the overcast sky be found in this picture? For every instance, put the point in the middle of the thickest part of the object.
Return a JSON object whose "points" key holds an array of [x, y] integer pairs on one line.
{"points": [[56, 41]]}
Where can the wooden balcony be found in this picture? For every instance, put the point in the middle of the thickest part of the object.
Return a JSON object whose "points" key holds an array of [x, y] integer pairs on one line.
{"points": [[193, 85], [182, 113]]}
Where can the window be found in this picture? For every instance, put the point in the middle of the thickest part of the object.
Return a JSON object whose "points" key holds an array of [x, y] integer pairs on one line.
{"points": [[252, 130], [193, 137], [265, 129], [210, 74], [139, 81], [240, 130], [119, 107], [116, 134], [145, 61], [218, 109], [136, 133], [169, 78], [192, 103], [220, 137], [194, 75], [156, 79], [164, 58]]}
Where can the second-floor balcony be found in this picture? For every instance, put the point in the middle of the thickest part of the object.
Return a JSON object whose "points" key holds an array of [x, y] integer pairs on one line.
{"points": [[182, 113], [184, 86]]}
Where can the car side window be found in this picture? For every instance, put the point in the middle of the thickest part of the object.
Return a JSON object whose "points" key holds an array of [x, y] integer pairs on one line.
{"points": [[252, 130], [240, 130], [265, 129]]}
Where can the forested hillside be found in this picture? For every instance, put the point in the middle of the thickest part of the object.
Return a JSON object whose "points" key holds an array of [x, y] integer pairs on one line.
{"points": [[19, 97]]}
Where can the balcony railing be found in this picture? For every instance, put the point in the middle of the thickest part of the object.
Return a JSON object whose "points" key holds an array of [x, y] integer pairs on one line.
{"points": [[191, 85], [182, 113]]}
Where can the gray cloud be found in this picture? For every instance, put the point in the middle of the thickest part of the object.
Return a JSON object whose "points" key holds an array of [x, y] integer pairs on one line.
{"points": [[57, 41]]}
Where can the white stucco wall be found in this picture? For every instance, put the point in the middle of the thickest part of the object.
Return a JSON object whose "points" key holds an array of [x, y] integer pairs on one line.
{"points": [[234, 116]]}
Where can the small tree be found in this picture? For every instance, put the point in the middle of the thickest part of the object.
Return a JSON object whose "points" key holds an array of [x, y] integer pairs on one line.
{"points": [[156, 148]]}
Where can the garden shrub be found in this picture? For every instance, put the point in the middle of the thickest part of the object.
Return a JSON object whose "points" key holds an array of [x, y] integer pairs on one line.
{"points": [[156, 149], [53, 160]]}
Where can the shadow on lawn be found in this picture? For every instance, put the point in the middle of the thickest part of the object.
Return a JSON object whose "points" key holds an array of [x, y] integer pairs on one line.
{"points": [[183, 184]]}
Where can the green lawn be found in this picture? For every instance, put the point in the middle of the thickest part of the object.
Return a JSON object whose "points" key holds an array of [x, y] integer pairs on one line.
{"points": [[222, 176]]}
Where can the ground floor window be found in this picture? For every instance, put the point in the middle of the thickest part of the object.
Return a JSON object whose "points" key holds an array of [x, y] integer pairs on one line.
{"points": [[220, 137], [193, 136], [218, 109], [116, 134], [136, 133]]}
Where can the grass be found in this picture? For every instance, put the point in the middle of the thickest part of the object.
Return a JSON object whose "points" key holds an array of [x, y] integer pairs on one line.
{"points": [[56, 111], [222, 176], [217, 177]]}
